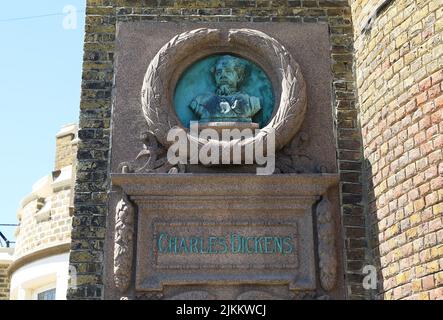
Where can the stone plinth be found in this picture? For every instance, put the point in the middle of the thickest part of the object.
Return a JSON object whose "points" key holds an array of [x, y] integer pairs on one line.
{"points": [[238, 229]]}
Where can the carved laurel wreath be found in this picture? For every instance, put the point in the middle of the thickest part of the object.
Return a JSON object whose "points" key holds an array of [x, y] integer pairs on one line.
{"points": [[156, 104]]}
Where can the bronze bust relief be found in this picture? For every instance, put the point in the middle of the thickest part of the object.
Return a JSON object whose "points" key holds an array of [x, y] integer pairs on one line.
{"points": [[228, 102]]}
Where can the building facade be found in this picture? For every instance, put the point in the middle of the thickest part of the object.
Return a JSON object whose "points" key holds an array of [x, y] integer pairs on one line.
{"points": [[39, 266], [398, 75], [387, 69]]}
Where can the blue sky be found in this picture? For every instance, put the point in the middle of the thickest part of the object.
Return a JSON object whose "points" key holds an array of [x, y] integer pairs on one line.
{"points": [[40, 68]]}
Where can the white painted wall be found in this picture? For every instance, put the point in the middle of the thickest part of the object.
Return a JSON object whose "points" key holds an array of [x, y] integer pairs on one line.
{"points": [[41, 275]]}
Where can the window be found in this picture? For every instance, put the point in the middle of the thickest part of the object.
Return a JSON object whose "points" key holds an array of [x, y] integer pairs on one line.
{"points": [[46, 295]]}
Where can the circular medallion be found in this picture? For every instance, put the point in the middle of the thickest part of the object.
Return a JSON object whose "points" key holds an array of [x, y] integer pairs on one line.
{"points": [[206, 81], [183, 52]]}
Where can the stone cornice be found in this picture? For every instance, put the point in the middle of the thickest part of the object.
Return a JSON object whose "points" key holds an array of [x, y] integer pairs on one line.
{"points": [[36, 255]]}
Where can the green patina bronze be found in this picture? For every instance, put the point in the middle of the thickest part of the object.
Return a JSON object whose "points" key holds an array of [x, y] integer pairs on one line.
{"points": [[224, 88]]}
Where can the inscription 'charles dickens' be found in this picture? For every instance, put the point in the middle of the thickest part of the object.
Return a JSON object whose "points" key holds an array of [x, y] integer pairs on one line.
{"points": [[229, 244]]}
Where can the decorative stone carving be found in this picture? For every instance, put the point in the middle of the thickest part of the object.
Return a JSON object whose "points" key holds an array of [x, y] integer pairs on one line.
{"points": [[294, 158], [190, 206], [305, 295], [256, 295], [192, 45], [207, 203], [151, 159], [149, 296], [326, 244], [124, 243], [193, 295]]}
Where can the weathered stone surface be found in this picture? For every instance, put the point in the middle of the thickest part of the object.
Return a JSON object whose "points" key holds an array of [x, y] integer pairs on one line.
{"points": [[96, 105], [186, 48], [196, 205], [135, 46], [138, 43], [124, 243]]}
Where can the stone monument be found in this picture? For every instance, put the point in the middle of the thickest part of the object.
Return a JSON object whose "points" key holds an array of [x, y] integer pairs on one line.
{"points": [[193, 230]]}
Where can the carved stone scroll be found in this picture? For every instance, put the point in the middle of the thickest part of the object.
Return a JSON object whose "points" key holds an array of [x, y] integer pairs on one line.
{"points": [[123, 248], [326, 245], [151, 159], [193, 295]]}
